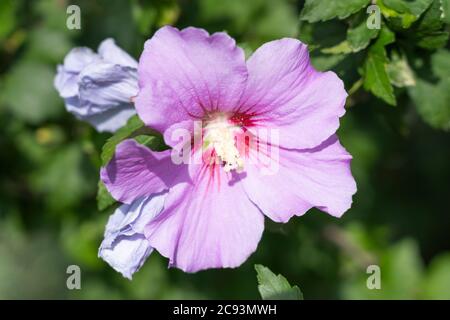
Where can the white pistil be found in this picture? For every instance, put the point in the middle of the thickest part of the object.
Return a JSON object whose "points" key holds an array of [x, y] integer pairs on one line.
{"points": [[219, 134]]}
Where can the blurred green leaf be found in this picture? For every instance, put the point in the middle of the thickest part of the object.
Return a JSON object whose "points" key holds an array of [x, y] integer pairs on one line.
{"points": [[168, 13], [234, 15], [32, 265], [375, 74], [326, 62], [62, 178], [401, 275], [41, 39], [29, 94], [144, 15], [437, 281], [399, 71], [432, 99], [32, 150], [278, 21], [154, 272], [440, 63], [7, 17], [82, 240], [254, 21], [52, 15], [402, 271], [446, 11], [434, 40], [154, 13], [322, 10], [104, 198], [432, 102], [275, 287]]}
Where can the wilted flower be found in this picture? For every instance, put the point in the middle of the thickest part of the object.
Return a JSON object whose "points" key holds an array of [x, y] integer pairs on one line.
{"points": [[125, 247], [98, 88], [213, 212]]}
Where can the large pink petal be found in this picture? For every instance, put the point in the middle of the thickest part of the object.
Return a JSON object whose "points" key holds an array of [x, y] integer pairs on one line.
{"points": [[184, 73], [136, 171], [301, 179], [285, 92], [211, 224]]}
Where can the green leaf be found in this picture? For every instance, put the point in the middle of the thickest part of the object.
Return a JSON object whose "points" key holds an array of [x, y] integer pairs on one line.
{"points": [[432, 99], [432, 19], [402, 270], [440, 63], [399, 71], [341, 48], [133, 125], [275, 287], [29, 94], [432, 102], [429, 31], [104, 199], [414, 7], [154, 142], [359, 36], [405, 11], [375, 74], [386, 37], [446, 11], [322, 10], [437, 282], [7, 17], [322, 35], [326, 62], [434, 40]]}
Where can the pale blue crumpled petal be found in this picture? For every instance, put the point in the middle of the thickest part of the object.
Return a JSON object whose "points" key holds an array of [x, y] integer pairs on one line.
{"points": [[125, 247], [98, 88], [111, 120], [78, 58], [110, 52], [106, 84]]}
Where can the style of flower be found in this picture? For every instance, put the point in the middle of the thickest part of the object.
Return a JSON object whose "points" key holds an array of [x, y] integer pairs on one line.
{"points": [[210, 213], [98, 88]]}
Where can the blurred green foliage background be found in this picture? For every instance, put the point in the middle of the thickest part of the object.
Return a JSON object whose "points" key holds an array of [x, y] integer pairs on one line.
{"points": [[400, 218]]}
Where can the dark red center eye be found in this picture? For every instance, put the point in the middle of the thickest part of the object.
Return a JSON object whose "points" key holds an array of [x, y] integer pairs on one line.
{"points": [[242, 120]]}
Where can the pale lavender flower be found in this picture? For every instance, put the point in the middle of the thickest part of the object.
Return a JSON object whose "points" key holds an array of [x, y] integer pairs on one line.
{"points": [[99, 87]]}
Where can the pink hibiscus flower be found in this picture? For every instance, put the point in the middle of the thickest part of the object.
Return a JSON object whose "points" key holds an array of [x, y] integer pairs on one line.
{"points": [[265, 138]]}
